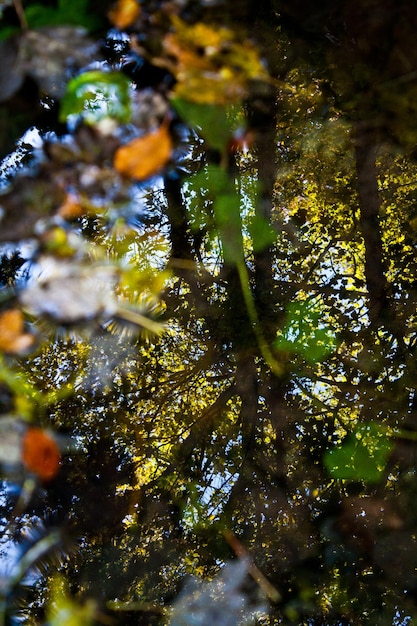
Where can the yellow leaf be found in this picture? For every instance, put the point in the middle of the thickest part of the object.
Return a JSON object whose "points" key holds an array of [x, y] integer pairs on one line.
{"points": [[63, 610], [12, 336], [186, 58], [210, 66], [209, 88], [145, 156], [201, 35], [124, 13]]}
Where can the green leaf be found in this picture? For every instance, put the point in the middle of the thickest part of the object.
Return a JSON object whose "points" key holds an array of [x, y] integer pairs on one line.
{"points": [[211, 121], [213, 178], [305, 334], [227, 212], [361, 456], [210, 183], [261, 232], [96, 96]]}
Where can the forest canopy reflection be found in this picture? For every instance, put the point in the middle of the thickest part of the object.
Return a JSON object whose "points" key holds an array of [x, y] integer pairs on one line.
{"points": [[208, 312]]}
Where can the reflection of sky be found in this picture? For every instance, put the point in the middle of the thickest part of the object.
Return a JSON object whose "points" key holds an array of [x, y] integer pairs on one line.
{"points": [[12, 550], [400, 619], [26, 148], [10, 554]]}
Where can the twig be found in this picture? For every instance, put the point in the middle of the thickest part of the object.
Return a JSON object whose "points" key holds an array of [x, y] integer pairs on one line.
{"points": [[270, 591], [20, 12]]}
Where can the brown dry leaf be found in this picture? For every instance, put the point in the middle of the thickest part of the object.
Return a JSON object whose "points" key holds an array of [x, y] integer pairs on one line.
{"points": [[124, 13], [71, 208], [145, 156], [13, 339]]}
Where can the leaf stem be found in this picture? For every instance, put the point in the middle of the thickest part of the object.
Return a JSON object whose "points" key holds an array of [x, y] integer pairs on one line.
{"points": [[266, 352]]}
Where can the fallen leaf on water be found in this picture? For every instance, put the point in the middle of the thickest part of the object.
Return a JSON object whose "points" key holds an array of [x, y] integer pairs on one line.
{"points": [[71, 208], [13, 339], [210, 65], [124, 13], [70, 292], [10, 441], [40, 453], [145, 156]]}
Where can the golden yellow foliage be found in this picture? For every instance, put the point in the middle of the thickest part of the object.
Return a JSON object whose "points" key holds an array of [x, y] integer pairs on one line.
{"points": [[124, 13], [13, 339], [201, 35], [210, 66], [144, 156]]}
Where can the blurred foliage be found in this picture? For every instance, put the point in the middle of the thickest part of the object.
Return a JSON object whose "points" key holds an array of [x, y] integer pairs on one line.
{"points": [[77, 12], [97, 96], [362, 456], [208, 312], [303, 332]]}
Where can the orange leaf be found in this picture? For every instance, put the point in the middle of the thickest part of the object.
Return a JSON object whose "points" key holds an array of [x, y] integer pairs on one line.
{"points": [[145, 156], [40, 453], [124, 13], [71, 208], [12, 336]]}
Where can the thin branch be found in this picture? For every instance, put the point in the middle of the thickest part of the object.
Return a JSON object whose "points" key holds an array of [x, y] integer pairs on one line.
{"points": [[20, 12], [370, 205]]}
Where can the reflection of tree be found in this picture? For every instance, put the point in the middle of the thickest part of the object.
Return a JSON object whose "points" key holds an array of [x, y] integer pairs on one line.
{"points": [[282, 271]]}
